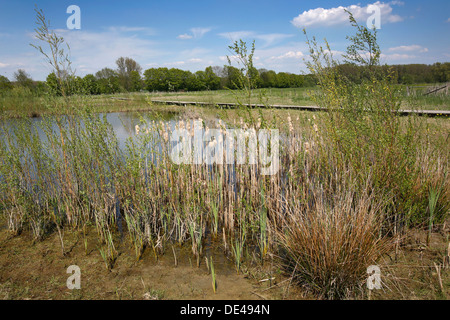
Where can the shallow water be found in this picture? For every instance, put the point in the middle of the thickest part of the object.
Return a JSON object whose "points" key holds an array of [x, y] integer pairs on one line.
{"points": [[123, 123]]}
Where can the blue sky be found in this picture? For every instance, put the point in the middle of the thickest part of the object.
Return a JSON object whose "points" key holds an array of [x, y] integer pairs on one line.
{"points": [[192, 35]]}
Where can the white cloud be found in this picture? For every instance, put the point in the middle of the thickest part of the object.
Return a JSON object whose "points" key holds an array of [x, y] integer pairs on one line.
{"points": [[197, 33], [233, 58], [397, 3], [185, 36], [334, 52], [337, 16], [92, 51], [411, 48], [152, 65], [273, 38], [288, 55], [200, 32], [144, 30], [175, 63], [284, 58], [268, 39], [236, 35], [195, 60], [393, 18], [397, 57], [448, 20], [3, 65]]}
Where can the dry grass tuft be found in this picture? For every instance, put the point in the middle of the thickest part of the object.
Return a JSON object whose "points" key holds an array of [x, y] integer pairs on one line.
{"points": [[328, 243]]}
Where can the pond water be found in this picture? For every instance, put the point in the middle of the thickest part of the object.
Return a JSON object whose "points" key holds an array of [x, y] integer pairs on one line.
{"points": [[123, 123]]}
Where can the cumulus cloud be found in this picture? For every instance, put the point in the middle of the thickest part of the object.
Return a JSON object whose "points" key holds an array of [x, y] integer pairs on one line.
{"points": [[3, 65], [337, 16], [411, 48]]}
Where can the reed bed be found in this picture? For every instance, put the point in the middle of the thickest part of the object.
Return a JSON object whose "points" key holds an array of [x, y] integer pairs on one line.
{"points": [[323, 217]]}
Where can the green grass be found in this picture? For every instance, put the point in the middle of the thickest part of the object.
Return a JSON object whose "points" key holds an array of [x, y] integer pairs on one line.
{"points": [[297, 96], [22, 102], [417, 98]]}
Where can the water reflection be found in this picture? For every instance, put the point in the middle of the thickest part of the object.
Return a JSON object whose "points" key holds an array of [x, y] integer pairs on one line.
{"points": [[122, 123]]}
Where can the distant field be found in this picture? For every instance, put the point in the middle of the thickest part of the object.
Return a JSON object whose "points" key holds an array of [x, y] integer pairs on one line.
{"points": [[297, 96], [301, 97], [31, 105]]}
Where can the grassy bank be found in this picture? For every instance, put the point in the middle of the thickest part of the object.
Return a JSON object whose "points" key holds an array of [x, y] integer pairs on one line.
{"points": [[23, 101]]}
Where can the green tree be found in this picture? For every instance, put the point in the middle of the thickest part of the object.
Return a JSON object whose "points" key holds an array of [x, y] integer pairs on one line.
{"points": [[150, 79], [105, 73], [441, 72], [176, 79], [156, 79], [5, 84], [197, 82], [310, 80], [212, 81], [269, 78], [76, 85], [136, 81], [108, 81], [126, 71], [23, 79], [54, 86], [232, 77], [283, 80], [90, 85]]}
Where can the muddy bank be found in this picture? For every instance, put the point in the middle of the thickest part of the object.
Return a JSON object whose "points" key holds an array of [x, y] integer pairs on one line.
{"points": [[38, 271]]}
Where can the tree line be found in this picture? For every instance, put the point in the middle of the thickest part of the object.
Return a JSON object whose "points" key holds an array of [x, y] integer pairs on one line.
{"points": [[129, 77], [402, 74]]}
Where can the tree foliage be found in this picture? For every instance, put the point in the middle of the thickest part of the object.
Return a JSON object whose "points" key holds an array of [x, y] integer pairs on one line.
{"points": [[129, 73]]}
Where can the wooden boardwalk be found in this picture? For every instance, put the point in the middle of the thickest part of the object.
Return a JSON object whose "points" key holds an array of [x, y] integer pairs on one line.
{"points": [[431, 113]]}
